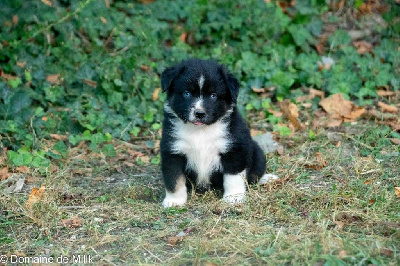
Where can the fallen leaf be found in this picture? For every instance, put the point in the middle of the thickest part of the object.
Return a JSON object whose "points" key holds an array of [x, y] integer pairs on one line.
{"points": [[173, 240], [254, 132], [386, 252], [342, 254], [291, 111], [363, 47], [44, 118], [21, 64], [340, 225], [359, 111], [35, 196], [313, 93], [90, 83], [155, 94], [397, 191], [15, 19], [366, 182], [334, 123], [144, 67], [103, 20], [59, 137], [4, 174], [47, 2], [22, 169], [337, 105], [371, 201], [388, 108], [53, 78], [385, 93], [258, 90], [338, 144], [73, 222], [183, 37], [395, 141], [107, 3]]}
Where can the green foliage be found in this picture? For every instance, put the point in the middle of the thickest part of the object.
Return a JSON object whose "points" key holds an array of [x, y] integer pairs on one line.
{"points": [[109, 61]]}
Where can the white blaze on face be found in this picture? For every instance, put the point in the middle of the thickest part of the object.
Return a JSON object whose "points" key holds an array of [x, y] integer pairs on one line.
{"points": [[201, 82]]}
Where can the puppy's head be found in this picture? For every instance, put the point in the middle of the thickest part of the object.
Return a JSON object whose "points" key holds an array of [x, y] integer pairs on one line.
{"points": [[199, 91]]}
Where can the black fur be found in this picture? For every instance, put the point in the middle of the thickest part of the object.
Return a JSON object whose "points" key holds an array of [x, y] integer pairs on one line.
{"points": [[242, 153]]}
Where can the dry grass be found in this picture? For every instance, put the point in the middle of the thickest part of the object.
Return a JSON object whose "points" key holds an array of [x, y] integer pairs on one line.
{"points": [[335, 208]]}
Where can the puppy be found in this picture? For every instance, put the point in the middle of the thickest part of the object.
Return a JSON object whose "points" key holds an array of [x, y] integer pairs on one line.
{"points": [[205, 140]]}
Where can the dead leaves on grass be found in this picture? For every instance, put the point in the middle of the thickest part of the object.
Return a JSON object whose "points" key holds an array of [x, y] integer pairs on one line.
{"points": [[35, 196], [73, 222]]}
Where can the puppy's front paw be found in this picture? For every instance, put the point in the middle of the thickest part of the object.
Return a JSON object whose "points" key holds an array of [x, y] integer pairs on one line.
{"points": [[235, 198], [267, 178], [172, 200]]}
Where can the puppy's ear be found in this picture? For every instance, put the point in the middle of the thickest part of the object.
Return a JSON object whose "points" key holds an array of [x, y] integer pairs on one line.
{"points": [[168, 76], [231, 82]]}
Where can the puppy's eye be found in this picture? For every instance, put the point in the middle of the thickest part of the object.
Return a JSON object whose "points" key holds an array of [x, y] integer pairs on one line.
{"points": [[187, 94], [213, 96]]}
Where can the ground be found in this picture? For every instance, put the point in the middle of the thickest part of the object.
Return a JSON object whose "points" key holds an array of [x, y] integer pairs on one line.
{"points": [[334, 203]]}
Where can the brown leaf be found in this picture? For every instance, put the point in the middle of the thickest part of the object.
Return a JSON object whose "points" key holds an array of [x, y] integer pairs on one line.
{"points": [[173, 240], [395, 141], [107, 3], [386, 252], [44, 118], [334, 123], [15, 19], [338, 144], [59, 137], [314, 93], [363, 47], [90, 83], [371, 201], [22, 169], [35, 196], [385, 93], [155, 94], [183, 37], [388, 108], [342, 254], [254, 132], [397, 191], [359, 111], [366, 182], [340, 225], [4, 174], [144, 67], [103, 20], [337, 105], [258, 90], [73, 222], [291, 111], [21, 64], [47, 2], [53, 78]]}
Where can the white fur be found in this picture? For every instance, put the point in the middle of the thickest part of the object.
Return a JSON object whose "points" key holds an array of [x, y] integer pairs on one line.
{"points": [[177, 198], [267, 178], [201, 82], [235, 188], [202, 145]]}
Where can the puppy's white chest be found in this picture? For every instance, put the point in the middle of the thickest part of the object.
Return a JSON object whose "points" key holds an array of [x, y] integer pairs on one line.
{"points": [[202, 146]]}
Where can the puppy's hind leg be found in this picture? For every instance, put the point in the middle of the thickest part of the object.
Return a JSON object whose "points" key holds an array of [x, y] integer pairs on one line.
{"points": [[257, 171]]}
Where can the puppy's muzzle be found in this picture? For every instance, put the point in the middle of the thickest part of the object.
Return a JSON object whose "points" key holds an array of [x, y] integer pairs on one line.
{"points": [[199, 114]]}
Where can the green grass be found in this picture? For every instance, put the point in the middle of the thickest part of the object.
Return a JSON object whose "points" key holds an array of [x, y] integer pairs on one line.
{"points": [[329, 216]]}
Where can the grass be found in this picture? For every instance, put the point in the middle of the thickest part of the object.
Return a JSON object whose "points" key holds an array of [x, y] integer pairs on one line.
{"points": [[333, 205]]}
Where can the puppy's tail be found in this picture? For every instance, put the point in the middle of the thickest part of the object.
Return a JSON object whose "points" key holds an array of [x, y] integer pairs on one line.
{"points": [[266, 142]]}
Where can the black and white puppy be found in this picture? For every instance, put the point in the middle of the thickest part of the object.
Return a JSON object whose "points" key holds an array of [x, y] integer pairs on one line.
{"points": [[204, 138]]}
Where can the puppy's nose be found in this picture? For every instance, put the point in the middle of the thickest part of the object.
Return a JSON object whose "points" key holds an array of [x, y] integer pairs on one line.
{"points": [[199, 114]]}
